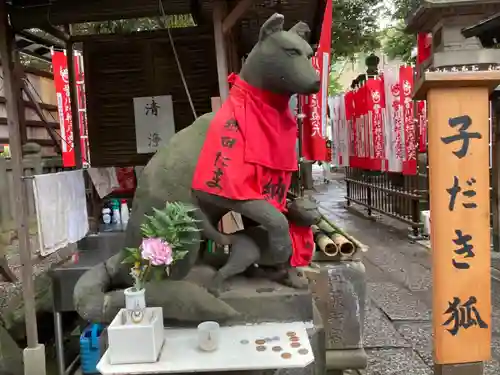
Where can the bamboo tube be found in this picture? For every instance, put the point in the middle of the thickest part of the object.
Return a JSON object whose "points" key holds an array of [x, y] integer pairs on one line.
{"points": [[325, 243], [324, 224], [345, 246]]}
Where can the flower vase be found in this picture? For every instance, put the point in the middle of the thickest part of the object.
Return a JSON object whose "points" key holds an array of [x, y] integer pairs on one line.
{"points": [[135, 304]]}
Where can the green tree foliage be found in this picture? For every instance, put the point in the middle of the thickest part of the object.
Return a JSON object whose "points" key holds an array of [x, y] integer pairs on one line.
{"points": [[403, 8], [334, 87], [355, 27], [397, 44]]}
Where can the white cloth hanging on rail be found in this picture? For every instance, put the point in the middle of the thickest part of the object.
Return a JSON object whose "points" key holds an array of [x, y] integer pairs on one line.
{"points": [[61, 209], [104, 180]]}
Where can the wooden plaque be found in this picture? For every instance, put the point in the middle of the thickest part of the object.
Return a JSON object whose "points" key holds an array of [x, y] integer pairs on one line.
{"points": [[458, 135]]}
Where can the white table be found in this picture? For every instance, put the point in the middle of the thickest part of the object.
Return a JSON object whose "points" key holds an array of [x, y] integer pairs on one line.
{"points": [[237, 351]]}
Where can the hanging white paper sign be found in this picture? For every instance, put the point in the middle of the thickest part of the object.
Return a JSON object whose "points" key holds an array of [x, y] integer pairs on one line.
{"points": [[154, 122]]}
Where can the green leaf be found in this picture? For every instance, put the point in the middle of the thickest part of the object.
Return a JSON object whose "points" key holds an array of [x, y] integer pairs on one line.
{"points": [[129, 260]]}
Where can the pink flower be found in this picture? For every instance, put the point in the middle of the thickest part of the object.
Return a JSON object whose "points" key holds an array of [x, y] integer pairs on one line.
{"points": [[157, 251]]}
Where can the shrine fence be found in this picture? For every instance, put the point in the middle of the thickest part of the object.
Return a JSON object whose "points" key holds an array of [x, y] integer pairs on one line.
{"points": [[393, 194]]}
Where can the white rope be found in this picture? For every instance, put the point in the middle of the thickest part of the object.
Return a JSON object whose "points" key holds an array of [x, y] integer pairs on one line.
{"points": [[162, 10]]}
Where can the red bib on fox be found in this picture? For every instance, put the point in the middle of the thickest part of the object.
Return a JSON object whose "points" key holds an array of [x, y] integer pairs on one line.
{"points": [[250, 151]]}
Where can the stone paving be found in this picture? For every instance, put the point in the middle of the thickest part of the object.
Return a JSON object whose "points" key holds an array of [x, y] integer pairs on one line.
{"points": [[398, 329]]}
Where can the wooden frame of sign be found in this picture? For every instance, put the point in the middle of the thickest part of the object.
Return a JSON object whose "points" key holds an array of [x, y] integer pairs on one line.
{"points": [[458, 131]]}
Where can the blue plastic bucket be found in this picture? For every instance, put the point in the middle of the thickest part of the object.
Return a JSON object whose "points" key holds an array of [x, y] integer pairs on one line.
{"points": [[90, 348]]}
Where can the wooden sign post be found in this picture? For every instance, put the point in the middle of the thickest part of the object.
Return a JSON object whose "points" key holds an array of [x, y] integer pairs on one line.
{"points": [[458, 132]]}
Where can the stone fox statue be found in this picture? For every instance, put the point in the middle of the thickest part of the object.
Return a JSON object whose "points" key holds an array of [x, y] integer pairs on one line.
{"points": [[278, 64], [249, 153]]}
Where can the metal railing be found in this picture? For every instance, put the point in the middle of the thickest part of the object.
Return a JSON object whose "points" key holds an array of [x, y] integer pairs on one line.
{"points": [[392, 194]]}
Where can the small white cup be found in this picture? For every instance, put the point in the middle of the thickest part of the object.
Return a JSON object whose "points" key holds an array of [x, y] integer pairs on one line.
{"points": [[208, 336]]}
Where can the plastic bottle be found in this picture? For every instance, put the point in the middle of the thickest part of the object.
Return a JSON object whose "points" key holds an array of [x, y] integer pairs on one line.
{"points": [[116, 212], [106, 215], [124, 212]]}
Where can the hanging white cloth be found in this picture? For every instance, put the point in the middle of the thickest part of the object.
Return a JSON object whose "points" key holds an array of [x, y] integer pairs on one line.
{"points": [[61, 209], [104, 180]]}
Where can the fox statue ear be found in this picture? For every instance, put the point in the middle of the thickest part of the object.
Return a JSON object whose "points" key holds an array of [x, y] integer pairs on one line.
{"points": [[271, 26], [302, 30]]}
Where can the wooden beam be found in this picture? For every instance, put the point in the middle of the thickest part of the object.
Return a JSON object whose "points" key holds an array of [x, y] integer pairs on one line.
{"points": [[33, 123], [39, 39], [20, 196], [54, 31], [41, 142], [19, 74], [235, 15], [35, 56], [27, 103], [220, 49]]}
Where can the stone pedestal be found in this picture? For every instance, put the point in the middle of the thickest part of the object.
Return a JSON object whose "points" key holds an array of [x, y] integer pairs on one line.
{"points": [[262, 300], [339, 290]]}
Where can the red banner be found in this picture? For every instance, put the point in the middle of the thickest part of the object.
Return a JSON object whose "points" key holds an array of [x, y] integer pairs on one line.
{"points": [[376, 103], [362, 113], [406, 85], [424, 47], [61, 82], [422, 125], [315, 122]]}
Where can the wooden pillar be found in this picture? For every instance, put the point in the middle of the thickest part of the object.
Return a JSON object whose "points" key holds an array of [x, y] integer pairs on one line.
{"points": [[20, 197], [75, 115], [220, 48], [458, 130], [495, 170], [19, 74]]}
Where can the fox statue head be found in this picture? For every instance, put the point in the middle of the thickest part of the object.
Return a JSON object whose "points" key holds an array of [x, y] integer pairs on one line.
{"points": [[280, 62]]}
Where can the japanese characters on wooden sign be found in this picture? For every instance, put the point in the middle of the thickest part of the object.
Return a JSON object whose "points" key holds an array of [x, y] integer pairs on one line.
{"points": [[460, 227], [154, 122]]}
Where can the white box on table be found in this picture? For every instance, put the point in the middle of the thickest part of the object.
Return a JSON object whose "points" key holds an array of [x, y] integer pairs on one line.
{"points": [[136, 343]]}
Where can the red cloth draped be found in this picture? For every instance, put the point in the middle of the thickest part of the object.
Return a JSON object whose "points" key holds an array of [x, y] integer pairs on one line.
{"points": [[250, 148], [249, 151], [303, 245]]}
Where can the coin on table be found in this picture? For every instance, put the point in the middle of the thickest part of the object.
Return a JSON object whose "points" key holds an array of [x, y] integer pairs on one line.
{"points": [[291, 333], [244, 342], [277, 348], [294, 339], [295, 344], [276, 338], [303, 351], [260, 342], [260, 348], [286, 356], [268, 339]]}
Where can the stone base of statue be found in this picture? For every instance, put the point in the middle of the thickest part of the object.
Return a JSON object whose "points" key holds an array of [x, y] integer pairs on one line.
{"points": [[339, 290], [261, 300]]}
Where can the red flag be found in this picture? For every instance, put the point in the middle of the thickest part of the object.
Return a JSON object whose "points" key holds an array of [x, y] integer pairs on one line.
{"points": [[424, 47], [375, 104], [61, 82], [422, 125], [406, 84], [315, 122], [362, 112]]}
